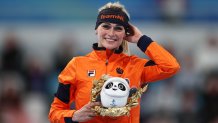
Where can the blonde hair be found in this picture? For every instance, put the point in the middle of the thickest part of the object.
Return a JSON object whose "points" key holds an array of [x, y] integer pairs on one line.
{"points": [[117, 5], [125, 46]]}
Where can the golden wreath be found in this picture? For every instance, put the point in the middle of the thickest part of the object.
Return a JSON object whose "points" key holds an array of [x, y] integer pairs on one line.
{"points": [[114, 111]]}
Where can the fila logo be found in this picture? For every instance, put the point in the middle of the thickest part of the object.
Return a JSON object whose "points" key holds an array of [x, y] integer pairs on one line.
{"points": [[91, 73]]}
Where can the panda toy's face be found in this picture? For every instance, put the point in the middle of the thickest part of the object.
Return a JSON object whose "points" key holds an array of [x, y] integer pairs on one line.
{"points": [[116, 89], [115, 92]]}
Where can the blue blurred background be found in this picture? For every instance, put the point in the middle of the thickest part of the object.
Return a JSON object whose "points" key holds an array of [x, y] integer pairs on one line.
{"points": [[38, 38]]}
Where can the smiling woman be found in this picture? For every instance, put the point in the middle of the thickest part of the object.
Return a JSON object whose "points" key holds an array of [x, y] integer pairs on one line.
{"points": [[110, 35], [109, 58]]}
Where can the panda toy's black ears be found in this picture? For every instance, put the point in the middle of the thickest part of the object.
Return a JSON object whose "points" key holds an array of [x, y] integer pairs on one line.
{"points": [[132, 91], [127, 80]]}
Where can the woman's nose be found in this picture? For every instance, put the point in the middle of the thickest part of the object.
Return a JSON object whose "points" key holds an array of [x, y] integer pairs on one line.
{"points": [[111, 31]]}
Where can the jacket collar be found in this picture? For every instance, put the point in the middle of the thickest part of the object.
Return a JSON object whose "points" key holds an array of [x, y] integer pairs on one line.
{"points": [[105, 54], [118, 51]]}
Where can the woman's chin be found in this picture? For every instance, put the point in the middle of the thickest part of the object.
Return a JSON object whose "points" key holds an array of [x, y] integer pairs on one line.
{"points": [[110, 47]]}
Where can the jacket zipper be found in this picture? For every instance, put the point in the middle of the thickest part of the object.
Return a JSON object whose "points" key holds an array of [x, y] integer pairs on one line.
{"points": [[106, 63]]}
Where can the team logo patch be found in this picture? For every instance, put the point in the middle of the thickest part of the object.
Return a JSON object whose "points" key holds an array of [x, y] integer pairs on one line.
{"points": [[119, 70], [91, 73]]}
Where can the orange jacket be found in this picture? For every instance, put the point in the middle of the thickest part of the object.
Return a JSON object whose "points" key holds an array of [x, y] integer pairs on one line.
{"points": [[76, 79]]}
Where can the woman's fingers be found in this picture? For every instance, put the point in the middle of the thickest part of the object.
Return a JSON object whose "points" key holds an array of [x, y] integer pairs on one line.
{"points": [[85, 113], [136, 34], [92, 104]]}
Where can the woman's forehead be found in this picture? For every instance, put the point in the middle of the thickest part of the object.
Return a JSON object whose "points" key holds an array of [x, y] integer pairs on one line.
{"points": [[112, 24]]}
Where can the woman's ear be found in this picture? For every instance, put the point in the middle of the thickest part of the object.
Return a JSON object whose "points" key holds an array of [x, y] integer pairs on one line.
{"points": [[96, 32]]}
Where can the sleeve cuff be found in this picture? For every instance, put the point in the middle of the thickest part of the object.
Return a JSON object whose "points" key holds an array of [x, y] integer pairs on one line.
{"points": [[144, 42]]}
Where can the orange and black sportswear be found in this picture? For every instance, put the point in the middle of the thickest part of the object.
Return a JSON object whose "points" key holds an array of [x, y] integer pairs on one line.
{"points": [[75, 81]]}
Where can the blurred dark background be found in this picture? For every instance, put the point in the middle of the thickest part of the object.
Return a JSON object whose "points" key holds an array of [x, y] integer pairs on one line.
{"points": [[38, 38]]}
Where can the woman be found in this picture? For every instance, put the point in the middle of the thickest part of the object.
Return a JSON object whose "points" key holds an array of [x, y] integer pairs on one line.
{"points": [[109, 56]]}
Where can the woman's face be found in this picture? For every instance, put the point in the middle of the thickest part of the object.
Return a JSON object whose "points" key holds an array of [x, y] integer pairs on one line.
{"points": [[110, 35]]}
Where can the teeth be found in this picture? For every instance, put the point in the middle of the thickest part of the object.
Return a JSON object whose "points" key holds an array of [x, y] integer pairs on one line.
{"points": [[108, 39]]}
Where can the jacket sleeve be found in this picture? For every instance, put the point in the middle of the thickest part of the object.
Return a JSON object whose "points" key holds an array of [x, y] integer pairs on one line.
{"points": [[162, 64], [60, 111]]}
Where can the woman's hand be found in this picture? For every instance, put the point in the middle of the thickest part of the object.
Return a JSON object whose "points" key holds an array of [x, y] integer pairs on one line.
{"points": [[137, 34], [85, 113]]}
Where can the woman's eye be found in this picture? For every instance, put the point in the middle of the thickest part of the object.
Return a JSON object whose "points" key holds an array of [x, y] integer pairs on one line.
{"points": [[106, 26], [118, 28]]}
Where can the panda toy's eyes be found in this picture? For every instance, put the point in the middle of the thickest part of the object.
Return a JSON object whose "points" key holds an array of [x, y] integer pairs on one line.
{"points": [[121, 87], [109, 85]]}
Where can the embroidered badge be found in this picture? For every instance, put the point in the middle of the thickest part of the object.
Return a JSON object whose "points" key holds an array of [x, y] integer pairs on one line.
{"points": [[91, 73], [119, 70]]}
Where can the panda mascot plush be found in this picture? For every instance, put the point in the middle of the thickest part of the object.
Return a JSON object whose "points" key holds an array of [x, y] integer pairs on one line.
{"points": [[115, 92]]}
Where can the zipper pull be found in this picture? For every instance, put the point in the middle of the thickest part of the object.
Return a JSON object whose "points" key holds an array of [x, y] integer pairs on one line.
{"points": [[106, 63]]}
